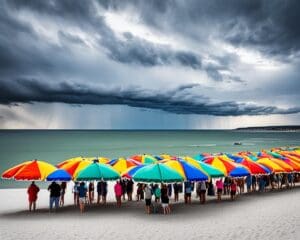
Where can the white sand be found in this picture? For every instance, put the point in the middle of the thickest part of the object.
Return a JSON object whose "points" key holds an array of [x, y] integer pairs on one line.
{"points": [[272, 215]]}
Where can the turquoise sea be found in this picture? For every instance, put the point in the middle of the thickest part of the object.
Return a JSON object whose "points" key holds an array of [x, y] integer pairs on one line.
{"points": [[55, 146]]}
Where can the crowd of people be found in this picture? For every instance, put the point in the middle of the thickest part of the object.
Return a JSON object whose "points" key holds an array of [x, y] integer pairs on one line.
{"points": [[157, 196]]}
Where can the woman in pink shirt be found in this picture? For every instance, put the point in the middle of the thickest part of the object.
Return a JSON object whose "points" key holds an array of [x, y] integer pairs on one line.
{"points": [[118, 193], [220, 186]]}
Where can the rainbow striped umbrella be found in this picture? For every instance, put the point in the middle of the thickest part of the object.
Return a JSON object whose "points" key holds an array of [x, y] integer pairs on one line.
{"points": [[229, 168], [144, 159], [186, 170], [122, 164], [208, 169]]}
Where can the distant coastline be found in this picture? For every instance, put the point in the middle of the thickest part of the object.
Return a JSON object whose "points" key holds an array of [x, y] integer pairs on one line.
{"points": [[287, 128]]}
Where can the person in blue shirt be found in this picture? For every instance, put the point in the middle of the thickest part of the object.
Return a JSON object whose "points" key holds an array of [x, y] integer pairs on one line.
{"points": [[82, 190]]}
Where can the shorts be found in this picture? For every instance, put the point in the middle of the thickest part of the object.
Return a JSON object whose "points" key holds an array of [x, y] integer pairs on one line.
{"points": [[148, 202], [188, 194], [82, 200], [164, 205], [220, 190], [232, 192]]}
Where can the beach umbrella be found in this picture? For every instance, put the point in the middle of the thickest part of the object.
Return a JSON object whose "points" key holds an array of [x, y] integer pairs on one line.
{"points": [[130, 171], [254, 167], [283, 165], [74, 159], [186, 170], [144, 159], [97, 171], [158, 172], [30, 170], [275, 168], [295, 165], [167, 156], [229, 168], [73, 167], [291, 156], [208, 169], [59, 175], [79, 159], [122, 164]]}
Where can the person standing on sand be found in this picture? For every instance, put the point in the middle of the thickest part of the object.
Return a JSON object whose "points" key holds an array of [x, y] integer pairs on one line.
{"points": [[249, 183], [118, 193], [82, 190], [211, 189], [91, 192], [63, 187], [75, 193], [104, 191], [32, 192], [165, 199], [123, 183], [220, 186], [129, 189], [233, 187], [157, 193], [54, 189], [202, 192], [187, 192], [148, 197], [99, 191], [176, 191]]}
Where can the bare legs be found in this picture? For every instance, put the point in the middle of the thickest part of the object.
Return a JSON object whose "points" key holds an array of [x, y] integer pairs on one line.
{"points": [[32, 205]]}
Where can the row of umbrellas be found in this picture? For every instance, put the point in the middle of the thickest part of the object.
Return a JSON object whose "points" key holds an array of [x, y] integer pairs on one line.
{"points": [[163, 168]]}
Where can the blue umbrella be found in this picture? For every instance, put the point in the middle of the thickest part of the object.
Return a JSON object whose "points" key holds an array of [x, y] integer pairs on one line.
{"points": [[59, 175]]}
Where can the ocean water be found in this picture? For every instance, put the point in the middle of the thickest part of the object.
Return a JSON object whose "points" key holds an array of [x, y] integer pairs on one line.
{"points": [[54, 146]]}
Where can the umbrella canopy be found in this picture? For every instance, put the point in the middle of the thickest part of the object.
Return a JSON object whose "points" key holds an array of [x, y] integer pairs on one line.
{"points": [[144, 159], [208, 169], [275, 168], [167, 156], [59, 175], [186, 170], [283, 164], [295, 165], [73, 167], [254, 167], [97, 171], [157, 173], [229, 168], [30, 170], [79, 159], [122, 164], [131, 171]]}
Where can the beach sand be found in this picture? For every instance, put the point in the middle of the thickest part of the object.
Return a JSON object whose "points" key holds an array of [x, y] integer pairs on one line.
{"points": [[271, 215]]}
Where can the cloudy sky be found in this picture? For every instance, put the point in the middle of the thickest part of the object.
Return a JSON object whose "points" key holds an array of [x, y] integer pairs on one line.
{"points": [[149, 64]]}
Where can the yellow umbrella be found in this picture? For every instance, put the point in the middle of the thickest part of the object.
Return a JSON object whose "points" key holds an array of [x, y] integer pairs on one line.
{"points": [[122, 164], [73, 167], [282, 164], [270, 165]]}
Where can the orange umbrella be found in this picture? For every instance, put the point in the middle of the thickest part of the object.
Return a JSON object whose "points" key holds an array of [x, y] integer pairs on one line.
{"points": [[30, 170]]}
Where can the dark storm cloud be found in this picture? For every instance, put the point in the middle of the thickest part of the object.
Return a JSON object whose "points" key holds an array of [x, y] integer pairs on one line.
{"points": [[129, 50], [174, 101], [271, 27]]}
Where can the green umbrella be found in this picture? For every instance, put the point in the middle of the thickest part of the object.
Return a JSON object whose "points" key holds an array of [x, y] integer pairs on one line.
{"points": [[210, 170], [157, 172], [97, 171]]}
